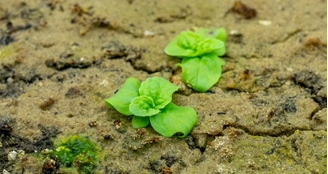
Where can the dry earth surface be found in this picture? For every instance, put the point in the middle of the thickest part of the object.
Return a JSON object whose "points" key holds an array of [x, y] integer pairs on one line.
{"points": [[267, 114]]}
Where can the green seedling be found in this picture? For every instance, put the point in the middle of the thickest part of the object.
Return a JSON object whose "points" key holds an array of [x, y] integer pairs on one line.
{"points": [[201, 73], [78, 152], [190, 44], [219, 34], [150, 102], [201, 66]]}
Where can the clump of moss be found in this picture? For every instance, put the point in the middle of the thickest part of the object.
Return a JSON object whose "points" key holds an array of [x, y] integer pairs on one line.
{"points": [[77, 152]]}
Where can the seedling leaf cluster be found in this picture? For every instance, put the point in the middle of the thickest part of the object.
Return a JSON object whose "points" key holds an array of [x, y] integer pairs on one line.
{"points": [[150, 102], [201, 66]]}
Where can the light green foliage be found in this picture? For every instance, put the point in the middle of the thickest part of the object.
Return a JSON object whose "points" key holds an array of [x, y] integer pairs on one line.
{"points": [[122, 99], [159, 90], [201, 68], [155, 93], [138, 122], [153, 100], [174, 120], [201, 73], [143, 106], [219, 34], [189, 44]]}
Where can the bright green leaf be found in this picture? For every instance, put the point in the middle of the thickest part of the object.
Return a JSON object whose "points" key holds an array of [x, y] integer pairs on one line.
{"points": [[220, 52], [143, 106], [138, 122], [159, 89], [221, 61], [188, 40], [209, 46], [174, 120], [219, 34], [189, 44], [183, 45], [122, 99], [201, 73]]}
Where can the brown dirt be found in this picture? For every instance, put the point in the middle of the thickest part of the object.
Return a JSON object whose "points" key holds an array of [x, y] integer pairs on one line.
{"points": [[267, 114]]}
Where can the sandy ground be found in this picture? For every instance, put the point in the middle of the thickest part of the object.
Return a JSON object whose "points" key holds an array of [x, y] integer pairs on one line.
{"points": [[267, 114]]}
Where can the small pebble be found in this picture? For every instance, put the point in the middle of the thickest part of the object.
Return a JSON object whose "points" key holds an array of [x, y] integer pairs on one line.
{"points": [[107, 137], [104, 83], [265, 23], [12, 155], [20, 153], [148, 33], [5, 171], [10, 80], [47, 151], [93, 124], [234, 32]]}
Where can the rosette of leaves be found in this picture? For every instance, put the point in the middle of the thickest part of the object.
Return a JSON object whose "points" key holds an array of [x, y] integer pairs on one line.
{"points": [[201, 66], [150, 102]]}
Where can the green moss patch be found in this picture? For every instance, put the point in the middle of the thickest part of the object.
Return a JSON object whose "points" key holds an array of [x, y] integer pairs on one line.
{"points": [[77, 152]]}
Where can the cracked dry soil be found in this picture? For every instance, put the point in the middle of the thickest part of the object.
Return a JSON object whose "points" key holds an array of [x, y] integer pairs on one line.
{"points": [[267, 114]]}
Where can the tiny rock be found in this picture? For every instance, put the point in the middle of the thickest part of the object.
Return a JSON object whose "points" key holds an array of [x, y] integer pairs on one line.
{"points": [[104, 83], [265, 23], [12, 155], [20, 153], [93, 124], [148, 34], [234, 32], [106, 137]]}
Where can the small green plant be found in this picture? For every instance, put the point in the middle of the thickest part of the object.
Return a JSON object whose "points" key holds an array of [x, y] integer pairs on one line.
{"points": [[201, 66], [150, 101], [78, 152]]}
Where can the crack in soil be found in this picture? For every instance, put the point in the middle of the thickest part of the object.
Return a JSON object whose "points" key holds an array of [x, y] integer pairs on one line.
{"points": [[277, 134], [289, 35]]}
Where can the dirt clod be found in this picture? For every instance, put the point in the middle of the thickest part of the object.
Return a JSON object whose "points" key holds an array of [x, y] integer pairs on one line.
{"points": [[289, 106], [47, 167], [166, 170], [46, 105], [322, 101], [73, 92], [243, 10], [62, 64], [106, 137], [308, 79], [115, 50], [151, 140], [6, 40], [93, 124]]}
